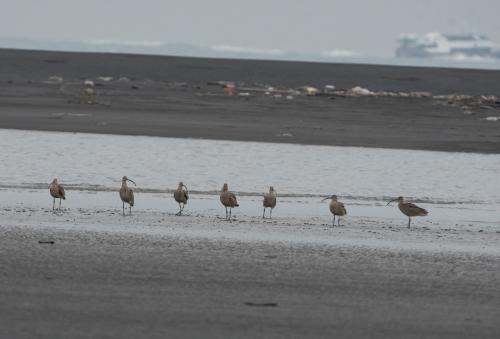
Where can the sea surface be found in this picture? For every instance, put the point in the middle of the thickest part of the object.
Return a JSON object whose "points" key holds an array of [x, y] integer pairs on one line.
{"points": [[452, 186]]}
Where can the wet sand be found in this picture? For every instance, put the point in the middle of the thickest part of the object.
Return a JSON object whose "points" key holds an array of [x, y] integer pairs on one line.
{"points": [[176, 97], [153, 275]]}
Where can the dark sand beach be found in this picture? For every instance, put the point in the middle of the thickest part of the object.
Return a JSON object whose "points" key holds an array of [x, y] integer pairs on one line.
{"points": [[179, 97], [155, 275], [91, 273]]}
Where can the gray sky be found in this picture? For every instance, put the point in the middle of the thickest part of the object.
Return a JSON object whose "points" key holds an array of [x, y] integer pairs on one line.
{"points": [[370, 27]]}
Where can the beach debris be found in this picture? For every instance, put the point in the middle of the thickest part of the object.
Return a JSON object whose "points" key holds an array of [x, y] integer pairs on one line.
{"points": [[252, 304], [89, 83], [180, 84], [89, 91], [57, 192], [337, 208], [492, 119], [181, 195], [269, 201], [358, 91], [289, 97], [329, 88], [54, 79], [308, 90], [409, 209], [126, 194], [50, 242], [134, 87], [420, 94], [286, 135], [244, 94], [221, 83], [123, 79], [105, 79], [230, 88], [228, 199]]}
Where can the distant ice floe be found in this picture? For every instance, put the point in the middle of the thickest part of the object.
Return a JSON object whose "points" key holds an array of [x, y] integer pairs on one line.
{"points": [[130, 43], [340, 53], [246, 50]]}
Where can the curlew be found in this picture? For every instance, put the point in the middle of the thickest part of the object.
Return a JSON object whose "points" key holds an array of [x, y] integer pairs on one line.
{"points": [[409, 209], [57, 192], [337, 208], [228, 199], [126, 194], [269, 201], [181, 195]]}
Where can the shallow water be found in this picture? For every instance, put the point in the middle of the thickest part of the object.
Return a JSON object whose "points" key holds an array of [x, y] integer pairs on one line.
{"points": [[453, 185]]}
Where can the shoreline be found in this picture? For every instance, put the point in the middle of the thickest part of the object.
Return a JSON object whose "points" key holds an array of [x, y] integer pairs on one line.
{"points": [[176, 97]]}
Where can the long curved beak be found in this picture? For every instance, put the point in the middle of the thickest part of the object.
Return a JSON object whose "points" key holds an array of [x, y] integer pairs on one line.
{"points": [[132, 181], [326, 198], [391, 201], [185, 187]]}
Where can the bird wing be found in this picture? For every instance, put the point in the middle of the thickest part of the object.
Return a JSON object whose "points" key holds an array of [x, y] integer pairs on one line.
{"points": [[341, 205], [232, 200], [131, 202], [61, 192], [417, 208], [268, 201]]}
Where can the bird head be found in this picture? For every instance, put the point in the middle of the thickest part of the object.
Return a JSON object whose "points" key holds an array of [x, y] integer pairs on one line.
{"points": [[127, 179], [398, 199]]}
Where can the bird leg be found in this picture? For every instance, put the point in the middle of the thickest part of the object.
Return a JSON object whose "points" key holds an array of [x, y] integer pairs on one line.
{"points": [[333, 224], [130, 209], [59, 204], [409, 221], [123, 207], [270, 213], [264, 213], [230, 209], [54, 204], [338, 221], [226, 212], [180, 210]]}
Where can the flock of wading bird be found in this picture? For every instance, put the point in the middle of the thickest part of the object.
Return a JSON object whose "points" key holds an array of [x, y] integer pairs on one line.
{"points": [[228, 199]]}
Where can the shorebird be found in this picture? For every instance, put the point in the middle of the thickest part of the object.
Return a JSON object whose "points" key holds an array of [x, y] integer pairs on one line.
{"points": [[269, 201], [337, 208], [228, 199], [181, 195], [57, 192], [126, 194], [409, 209]]}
